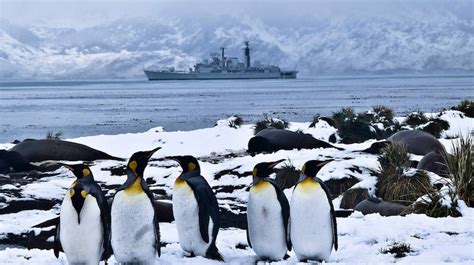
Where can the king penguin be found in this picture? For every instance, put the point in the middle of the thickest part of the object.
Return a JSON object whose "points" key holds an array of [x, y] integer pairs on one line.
{"points": [[268, 212], [195, 210], [84, 222], [135, 234], [313, 228]]}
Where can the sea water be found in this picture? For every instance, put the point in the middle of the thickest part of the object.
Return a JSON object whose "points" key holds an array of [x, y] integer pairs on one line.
{"points": [[30, 109]]}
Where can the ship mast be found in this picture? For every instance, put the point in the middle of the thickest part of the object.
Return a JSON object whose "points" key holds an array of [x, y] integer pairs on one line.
{"points": [[222, 56], [247, 54]]}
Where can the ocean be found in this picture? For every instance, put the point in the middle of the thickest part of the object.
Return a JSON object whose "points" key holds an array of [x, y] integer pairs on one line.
{"points": [[31, 109]]}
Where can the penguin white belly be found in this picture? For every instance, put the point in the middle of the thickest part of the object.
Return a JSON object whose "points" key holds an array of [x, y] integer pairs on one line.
{"points": [[133, 230], [186, 214], [82, 243], [265, 222], [311, 226]]}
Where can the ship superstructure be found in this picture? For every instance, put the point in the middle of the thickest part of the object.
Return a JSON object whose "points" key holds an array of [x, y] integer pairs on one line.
{"points": [[222, 67]]}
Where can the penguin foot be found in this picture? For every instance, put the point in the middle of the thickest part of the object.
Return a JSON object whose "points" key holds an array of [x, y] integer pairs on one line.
{"points": [[190, 255], [213, 253], [286, 256]]}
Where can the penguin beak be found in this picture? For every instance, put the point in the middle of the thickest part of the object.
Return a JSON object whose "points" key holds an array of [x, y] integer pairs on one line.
{"points": [[273, 164], [322, 164], [151, 152]]}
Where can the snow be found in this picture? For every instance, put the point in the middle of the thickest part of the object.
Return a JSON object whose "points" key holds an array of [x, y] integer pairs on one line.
{"points": [[361, 238]]}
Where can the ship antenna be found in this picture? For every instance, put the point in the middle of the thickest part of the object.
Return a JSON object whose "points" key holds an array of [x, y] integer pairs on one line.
{"points": [[247, 54], [222, 56]]}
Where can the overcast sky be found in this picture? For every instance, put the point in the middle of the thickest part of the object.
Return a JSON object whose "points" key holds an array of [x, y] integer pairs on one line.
{"points": [[79, 14]]}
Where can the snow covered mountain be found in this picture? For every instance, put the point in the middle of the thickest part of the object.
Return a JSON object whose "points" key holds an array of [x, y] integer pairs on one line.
{"points": [[314, 45]]}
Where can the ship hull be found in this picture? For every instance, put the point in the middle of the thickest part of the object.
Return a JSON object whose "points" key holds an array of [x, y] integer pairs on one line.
{"points": [[158, 75]]}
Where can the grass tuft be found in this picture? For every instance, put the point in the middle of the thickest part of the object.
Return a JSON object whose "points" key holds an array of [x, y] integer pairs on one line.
{"points": [[416, 118], [459, 168], [395, 182], [400, 250], [54, 135], [467, 107], [435, 127], [287, 176], [432, 205], [315, 120], [268, 122], [352, 127], [382, 114], [235, 121]]}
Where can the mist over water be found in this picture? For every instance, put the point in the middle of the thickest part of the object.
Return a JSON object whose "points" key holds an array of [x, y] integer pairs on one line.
{"points": [[81, 108]]}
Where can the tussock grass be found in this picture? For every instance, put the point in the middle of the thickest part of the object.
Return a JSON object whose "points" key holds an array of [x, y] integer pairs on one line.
{"points": [[460, 169], [352, 127], [467, 107], [268, 122], [287, 176], [431, 204], [358, 127], [314, 121], [398, 249], [416, 118], [54, 135], [382, 114], [393, 181], [435, 127], [235, 121]]}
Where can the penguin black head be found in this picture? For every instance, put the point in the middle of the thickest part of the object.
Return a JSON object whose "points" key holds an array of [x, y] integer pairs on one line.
{"points": [[312, 167], [139, 160], [79, 170], [188, 164], [263, 170], [78, 193]]}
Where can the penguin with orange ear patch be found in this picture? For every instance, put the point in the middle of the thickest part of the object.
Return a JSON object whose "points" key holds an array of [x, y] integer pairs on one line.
{"points": [[196, 210], [83, 231], [268, 212], [135, 230], [313, 228]]}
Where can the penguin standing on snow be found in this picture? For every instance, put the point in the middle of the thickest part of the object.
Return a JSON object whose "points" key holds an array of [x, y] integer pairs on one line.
{"points": [[84, 222], [135, 234], [268, 212], [195, 210], [313, 229]]}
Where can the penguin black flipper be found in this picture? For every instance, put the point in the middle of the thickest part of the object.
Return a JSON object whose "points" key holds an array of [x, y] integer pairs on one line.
{"points": [[333, 216], [285, 209], [208, 208], [57, 243], [156, 223], [248, 237]]}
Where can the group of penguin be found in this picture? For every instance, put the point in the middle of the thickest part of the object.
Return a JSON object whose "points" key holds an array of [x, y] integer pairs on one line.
{"points": [[90, 230]]}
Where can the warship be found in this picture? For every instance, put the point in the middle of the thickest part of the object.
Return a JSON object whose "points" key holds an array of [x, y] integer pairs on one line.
{"points": [[222, 67]]}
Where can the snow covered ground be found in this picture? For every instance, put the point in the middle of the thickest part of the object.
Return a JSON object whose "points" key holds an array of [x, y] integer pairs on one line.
{"points": [[362, 239]]}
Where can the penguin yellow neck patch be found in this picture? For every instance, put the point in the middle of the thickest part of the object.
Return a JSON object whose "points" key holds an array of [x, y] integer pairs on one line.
{"points": [[136, 187], [179, 181], [261, 185], [308, 184]]}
